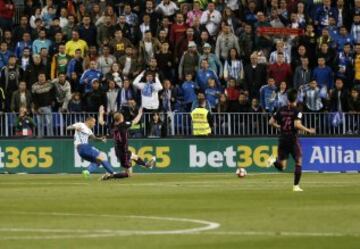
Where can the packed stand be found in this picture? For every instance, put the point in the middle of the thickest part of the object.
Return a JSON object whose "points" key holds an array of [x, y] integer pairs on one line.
{"points": [[75, 56]]}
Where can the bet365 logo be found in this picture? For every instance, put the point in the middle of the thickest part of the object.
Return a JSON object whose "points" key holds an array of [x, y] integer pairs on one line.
{"points": [[240, 156]]}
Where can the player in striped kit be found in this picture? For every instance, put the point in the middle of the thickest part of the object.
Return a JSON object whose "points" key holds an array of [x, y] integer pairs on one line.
{"points": [[83, 131]]}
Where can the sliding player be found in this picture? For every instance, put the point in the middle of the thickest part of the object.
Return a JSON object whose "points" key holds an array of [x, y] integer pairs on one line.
{"points": [[288, 120], [120, 131], [83, 131]]}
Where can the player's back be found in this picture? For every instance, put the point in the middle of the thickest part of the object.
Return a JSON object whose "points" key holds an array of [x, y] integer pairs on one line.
{"points": [[285, 117]]}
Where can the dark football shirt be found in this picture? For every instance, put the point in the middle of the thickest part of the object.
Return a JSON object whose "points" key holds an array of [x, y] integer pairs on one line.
{"points": [[285, 117], [120, 133]]}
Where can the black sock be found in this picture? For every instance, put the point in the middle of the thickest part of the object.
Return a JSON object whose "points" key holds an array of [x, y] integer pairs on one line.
{"points": [[297, 174], [121, 175], [278, 166], [141, 162]]}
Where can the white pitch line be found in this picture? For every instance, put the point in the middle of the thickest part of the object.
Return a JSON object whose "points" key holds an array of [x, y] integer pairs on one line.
{"points": [[207, 225], [282, 233]]}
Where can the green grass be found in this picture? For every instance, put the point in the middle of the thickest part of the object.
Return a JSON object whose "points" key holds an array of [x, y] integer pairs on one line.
{"points": [[259, 211]]}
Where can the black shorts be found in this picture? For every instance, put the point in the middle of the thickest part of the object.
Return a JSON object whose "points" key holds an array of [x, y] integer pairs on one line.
{"points": [[290, 146], [124, 156]]}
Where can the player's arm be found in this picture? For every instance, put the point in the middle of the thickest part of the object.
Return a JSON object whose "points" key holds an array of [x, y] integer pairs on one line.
{"points": [[101, 139], [138, 117], [101, 115], [73, 127], [299, 126], [274, 123]]}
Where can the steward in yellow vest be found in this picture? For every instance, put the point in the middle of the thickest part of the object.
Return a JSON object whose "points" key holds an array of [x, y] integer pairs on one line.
{"points": [[200, 120]]}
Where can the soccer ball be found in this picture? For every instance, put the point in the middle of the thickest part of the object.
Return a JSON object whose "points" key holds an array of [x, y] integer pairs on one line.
{"points": [[241, 172]]}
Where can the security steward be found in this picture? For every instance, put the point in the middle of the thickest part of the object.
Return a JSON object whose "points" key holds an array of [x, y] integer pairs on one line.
{"points": [[202, 121]]}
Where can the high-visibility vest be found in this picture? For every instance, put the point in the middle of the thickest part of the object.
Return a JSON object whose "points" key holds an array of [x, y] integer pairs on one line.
{"points": [[200, 122]]}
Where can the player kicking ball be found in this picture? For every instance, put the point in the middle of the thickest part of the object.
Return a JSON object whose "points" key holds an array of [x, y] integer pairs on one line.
{"points": [[288, 120], [83, 131], [120, 132]]}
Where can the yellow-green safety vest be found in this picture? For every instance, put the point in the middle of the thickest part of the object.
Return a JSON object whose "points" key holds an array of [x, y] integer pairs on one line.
{"points": [[200, 122]]}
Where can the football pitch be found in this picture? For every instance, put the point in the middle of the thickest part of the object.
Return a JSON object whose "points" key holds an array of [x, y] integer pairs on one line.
{"points": [[187, 211]]}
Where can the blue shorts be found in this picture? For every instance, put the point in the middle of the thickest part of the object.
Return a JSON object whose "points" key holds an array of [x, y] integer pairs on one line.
{"points": [[88, 152]]}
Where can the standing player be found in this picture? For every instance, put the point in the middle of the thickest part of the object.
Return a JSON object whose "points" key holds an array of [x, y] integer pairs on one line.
{"points": [[120, 131], [83, 131], [288, 120]]}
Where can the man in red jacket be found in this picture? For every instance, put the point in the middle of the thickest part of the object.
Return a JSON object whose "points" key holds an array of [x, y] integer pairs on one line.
{"points": [[280, 71], [177, 30], [7, 10]]}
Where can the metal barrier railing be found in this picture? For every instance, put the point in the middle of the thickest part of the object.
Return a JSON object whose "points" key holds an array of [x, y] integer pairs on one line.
{"points": [[179, 124]]}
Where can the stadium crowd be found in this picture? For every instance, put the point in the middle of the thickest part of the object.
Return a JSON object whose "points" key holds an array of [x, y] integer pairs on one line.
{"points": [[168, 56]]}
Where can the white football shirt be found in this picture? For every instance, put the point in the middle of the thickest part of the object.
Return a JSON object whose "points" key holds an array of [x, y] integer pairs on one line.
{"points": [[82, 133]]}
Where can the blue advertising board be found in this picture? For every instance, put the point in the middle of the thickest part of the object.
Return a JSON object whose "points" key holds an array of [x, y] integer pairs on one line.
{"points": [[331, 154]]}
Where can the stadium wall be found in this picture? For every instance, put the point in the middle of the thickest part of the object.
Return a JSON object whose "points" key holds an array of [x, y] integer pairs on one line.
{"points": [[190, 155]]}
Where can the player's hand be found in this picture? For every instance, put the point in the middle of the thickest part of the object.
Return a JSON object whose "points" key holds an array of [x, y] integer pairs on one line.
{"points": [[312, 131], [140, 111], [103, 139]]}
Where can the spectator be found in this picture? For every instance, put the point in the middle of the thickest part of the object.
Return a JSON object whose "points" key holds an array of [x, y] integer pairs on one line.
{"points": [[24, 124], [149, 91], [233, 67], [88, 76], [280, 49], [75, 104], [25, 60], [7, 11], [211, 18], [19, 31], [128, 64], [214, 62], [24, 43], [59, 62], [168, 96], [312, 97], [164, 59], [21, 97], [105, 31], [280, 71], [74, 44], [339, 97], [4, 54], [354, 101], [323, 74], [201, 101], [149, 46], [167, 8], [189, 61], [344, 63], [177, 30], [267, 95], [119, 44], [231, 92], [189, 88], [94, 98], [242, 105], [154, 16], [195, 13], [254, 75], [246, 42], [112, 98], [355, 29], [43, 96], [75, 65], [10, 77], [67, 30], [182, 44], [204, 74], [125, 28], [156, 126], [255, 106], [223, 104], [281, 96], [127, 93], [87, 31], [105, 61], [114, 75], [41, 42], [225, 42], [212, 94], [63, 93], [302, 73]]}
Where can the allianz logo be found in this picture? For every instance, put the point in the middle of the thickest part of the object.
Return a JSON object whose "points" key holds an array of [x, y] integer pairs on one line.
{"points": [[334, 154]]}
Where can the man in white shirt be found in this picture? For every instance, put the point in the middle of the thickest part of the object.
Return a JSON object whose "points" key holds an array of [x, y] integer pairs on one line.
{"points": [[83, 131], [167, 8], [211, 18], [149, 90]]}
